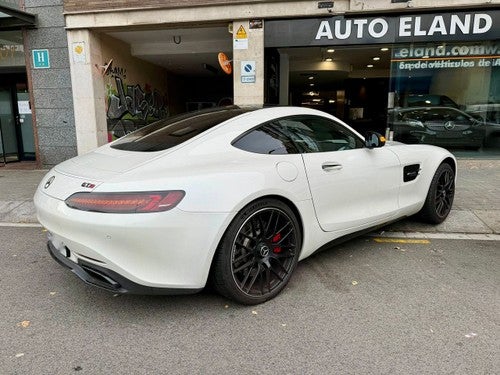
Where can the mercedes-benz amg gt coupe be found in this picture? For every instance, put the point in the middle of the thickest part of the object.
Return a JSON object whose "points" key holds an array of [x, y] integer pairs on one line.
{"points": [[231, 196]]}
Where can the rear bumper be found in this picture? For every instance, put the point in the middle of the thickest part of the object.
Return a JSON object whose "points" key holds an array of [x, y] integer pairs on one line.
{"points": [[170, 251], [109, 280]]}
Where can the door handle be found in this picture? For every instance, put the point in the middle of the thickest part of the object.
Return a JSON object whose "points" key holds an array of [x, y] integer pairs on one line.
{"points": [[331, 166]]}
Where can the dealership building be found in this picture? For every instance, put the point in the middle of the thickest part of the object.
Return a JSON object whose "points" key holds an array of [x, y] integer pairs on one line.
{"points": [[76, 74]]}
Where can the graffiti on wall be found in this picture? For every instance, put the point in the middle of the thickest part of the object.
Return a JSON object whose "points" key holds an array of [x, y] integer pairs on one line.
{"points": [[130, 107]]}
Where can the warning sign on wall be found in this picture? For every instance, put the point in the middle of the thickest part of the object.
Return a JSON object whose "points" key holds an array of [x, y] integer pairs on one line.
{"points": [[240, 40], [241, 33]]}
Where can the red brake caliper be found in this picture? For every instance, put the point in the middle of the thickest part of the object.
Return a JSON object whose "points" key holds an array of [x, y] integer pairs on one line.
{"points": [[276, 238]]}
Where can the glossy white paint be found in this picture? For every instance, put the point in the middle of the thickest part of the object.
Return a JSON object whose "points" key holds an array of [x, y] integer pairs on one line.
{"points": [[174, 249], [360, 187]]}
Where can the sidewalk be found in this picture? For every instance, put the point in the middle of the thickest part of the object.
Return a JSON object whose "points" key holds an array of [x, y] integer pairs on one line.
{"points": [[476, 209]]}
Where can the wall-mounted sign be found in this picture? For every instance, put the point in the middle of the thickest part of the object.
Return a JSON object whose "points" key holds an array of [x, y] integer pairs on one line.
{"points": [[248, 68], [325, 4], [340, 30], [240, 40], [41, 59], [24, 107], [247, 79], [79, 53], [256, 24], [247, 72]]}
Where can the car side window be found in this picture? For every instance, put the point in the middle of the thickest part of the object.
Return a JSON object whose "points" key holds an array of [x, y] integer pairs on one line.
{"points": [[298, 134], [443, 115], [268, 138], [458, 117], [318, 134], [412, 116]]}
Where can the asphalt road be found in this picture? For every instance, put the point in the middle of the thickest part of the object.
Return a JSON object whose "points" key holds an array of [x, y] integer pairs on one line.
{"points": [[360, 308]]}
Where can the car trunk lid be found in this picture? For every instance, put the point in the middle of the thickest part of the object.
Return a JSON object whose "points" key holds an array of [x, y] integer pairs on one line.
{"points": [[87, 172]]}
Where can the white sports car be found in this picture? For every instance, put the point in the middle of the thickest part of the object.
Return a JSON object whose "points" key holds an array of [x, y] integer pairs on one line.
{"points": [[233, 195]]}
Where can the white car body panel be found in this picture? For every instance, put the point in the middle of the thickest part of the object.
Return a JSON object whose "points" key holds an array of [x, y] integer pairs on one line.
{"points": [[372, 190], [412, 194], [174, 249]]}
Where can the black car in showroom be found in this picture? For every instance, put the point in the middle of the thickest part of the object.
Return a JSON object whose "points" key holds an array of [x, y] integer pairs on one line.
{"points": [[442, 126]]}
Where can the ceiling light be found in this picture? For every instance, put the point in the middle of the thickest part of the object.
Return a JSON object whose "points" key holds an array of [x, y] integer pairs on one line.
{"points": [[376, 58], [369, 66], [330, 50], [329, 59], [311, 84], [310, 77], [384, 49], [331, 101]]}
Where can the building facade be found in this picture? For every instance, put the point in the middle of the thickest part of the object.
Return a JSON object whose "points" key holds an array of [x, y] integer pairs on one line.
{"points": [[82, 73]]}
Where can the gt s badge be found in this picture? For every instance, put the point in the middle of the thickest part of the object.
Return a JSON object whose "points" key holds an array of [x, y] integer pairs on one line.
{"points": [[88, 185]]}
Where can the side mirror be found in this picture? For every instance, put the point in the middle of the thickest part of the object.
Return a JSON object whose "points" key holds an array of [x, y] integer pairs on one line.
{"points": [[374, 140]]}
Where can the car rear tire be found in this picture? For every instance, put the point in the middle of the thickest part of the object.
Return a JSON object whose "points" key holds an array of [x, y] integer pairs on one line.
{"points": [[440, 196], [258, 253]]}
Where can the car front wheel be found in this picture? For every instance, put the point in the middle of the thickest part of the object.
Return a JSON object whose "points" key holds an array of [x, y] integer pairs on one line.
{"points": [[440, 195], [258, 252]]}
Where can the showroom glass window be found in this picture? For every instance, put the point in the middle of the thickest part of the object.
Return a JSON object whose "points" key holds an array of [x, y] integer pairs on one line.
{"points": [[298, 134], [461, 76]]}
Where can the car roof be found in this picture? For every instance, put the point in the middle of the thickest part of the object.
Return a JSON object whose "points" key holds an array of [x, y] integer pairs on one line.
{"points": [[174, 131]]}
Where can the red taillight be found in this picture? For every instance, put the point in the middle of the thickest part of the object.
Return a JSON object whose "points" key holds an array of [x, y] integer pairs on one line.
{"points": [[136, 202]]}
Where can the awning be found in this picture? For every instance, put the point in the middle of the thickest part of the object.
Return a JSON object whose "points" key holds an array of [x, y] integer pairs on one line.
{"points": [[14, 19]]}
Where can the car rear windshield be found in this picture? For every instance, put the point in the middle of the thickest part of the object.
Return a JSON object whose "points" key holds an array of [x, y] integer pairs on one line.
{"points": [[173, 131]]}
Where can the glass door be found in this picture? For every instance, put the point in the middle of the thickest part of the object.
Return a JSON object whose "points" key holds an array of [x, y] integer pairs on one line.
{"points": [[24, 121], [8, 136]]}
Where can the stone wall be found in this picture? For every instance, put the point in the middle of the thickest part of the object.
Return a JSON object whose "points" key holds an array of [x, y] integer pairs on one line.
{"points": [[91, 5], [51, 88]]}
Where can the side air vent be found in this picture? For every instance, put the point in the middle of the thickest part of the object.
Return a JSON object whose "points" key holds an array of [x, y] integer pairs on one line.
{"points": [[410, 172]]}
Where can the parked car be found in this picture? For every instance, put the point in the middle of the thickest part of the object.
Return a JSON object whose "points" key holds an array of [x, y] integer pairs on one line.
{"points": [[489, 112], [442, 126], [235, 195], [427, 100]]}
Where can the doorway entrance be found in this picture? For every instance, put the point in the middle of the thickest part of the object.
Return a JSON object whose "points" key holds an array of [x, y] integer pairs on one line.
{"points": [[17, 142], [349, 82]]}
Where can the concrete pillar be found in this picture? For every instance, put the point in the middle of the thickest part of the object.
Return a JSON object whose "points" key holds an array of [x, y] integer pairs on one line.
{"points": [[248, 93], [284, 79], [86, 65]]}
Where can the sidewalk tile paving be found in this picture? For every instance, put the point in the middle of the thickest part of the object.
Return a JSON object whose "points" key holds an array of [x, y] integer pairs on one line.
{"points": [[476, 209]]}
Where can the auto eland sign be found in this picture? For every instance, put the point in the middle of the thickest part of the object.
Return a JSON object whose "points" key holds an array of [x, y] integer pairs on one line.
{"points": [[345, 30]]}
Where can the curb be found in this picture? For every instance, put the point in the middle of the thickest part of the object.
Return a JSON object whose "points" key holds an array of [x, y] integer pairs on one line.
{"points": [[438, 236]]}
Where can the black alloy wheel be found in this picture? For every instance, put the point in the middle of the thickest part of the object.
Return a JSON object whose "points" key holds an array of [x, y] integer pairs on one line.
{"points": [[440, 196], [258, 253]]}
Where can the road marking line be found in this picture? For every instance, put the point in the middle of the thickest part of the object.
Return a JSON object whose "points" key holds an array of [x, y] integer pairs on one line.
{"points": [[21, 225], [400, 240]]}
